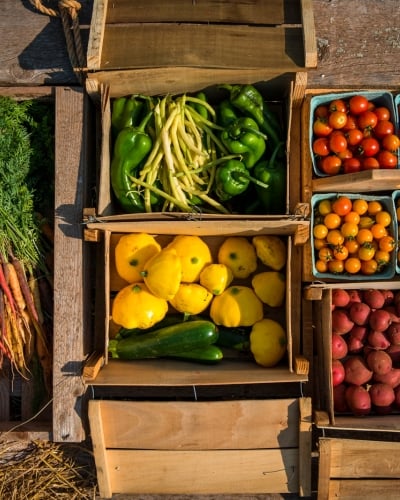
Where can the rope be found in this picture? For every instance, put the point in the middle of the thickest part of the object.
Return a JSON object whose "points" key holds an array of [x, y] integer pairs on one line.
{"points": [[68, 13]]}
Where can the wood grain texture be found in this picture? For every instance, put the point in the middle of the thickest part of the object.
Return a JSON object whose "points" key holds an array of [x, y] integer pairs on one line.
{"points": [[70, 286], [358, 44]]}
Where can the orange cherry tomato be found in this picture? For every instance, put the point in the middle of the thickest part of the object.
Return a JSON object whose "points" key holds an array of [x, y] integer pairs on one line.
{"points": [[364, 235], [387, 243], [366, 252], [374, 206], [383, 217], [378, 231], [321, 266], [352, 246], [334, 237], [336, 266], [369, 267], [349, 229], [352, 265], [340, 252], [332, 220], [352, 217], [360, 206]]}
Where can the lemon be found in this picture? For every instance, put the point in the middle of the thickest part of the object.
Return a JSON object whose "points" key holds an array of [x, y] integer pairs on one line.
{"points": [[131, 254], [268, 342], [194, 254]]}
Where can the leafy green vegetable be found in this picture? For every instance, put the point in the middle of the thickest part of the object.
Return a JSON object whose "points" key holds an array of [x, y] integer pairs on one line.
{"points": [[26, 153]]}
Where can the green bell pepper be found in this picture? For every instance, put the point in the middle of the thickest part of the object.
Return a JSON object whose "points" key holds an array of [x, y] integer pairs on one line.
{"points": [[250, 102], [231, 179], [244, 138], [125, 112], [272, 173], [226, 113], [131, 147]]}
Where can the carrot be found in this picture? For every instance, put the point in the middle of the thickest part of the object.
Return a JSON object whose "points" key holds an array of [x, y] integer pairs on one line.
{"points": [[6, 289], [15, 287], [25, 289], [16, 342]]}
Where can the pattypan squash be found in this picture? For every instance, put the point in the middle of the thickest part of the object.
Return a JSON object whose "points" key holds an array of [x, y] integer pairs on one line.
{"points": [[271, 250], [194, 254], [135, 306], [236, 306], [162, 273], [268, 342], [270, 287], [216, 278], [131, 254], [191, 298], [237, 253]]}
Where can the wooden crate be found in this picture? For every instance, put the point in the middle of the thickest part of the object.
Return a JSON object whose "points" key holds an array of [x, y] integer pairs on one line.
{"points": [[166, 372], [62, 419], [357, 469], [278, 35], [190, 47], [217, 447], [324, 414]]}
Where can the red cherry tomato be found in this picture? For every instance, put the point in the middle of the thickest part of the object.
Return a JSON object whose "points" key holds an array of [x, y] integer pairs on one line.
{"points": [[337, 105], [330, 164], [354, 137], [391, 142], [321, 111], [382, 112], [369, 146], [383, 127], [321, 146], [367, 120], [337, 142], [321, 128], [358, 104], [387, 159], [345, 154], [351, 123], [337, 119], [351, 165], [369, 163]]}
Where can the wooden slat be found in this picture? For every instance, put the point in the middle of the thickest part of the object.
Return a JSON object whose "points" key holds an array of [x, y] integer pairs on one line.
{"points": [[205, 11], [70, 294], [309, 36], [212, 425], [305, 437], [357, 469], [99, 448], [367, 180], [347, 489], [160, 81], [207, 46], [353, 458], [203, 472]]}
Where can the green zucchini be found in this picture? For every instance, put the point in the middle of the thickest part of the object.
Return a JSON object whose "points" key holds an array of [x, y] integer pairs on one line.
{"points": [[234, 338], [208, 354], [181, 337], [170, 319]]}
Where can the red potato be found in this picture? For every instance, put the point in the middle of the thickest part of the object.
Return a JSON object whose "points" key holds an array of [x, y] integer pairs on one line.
{"points": [[389, 297], [341, 322], [354, 345], [382, 397], [396, 402], [393, 333], [356, 370], [379, 362], [355, 296], [379, 320], [374, 298], [378, 340], [359, 332], [338, 372], [339, 346], [391, 309], [340, 297], [358, 400], [339, 398], [394, 353], [391, 378], [359, 313]]}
